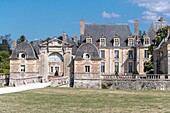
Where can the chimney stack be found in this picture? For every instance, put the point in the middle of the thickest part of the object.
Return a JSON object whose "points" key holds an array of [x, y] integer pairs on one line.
{"points": [[64, 37], [136, 28], [81, 27]]}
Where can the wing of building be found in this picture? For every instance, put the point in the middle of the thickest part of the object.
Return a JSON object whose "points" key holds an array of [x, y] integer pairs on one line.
{"points": [[34, 62]]}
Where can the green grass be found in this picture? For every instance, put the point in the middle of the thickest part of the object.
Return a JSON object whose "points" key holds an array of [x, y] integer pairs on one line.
{"points": [[68, 100]]}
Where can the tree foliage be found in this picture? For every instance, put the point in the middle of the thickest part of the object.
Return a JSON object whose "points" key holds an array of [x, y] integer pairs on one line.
{"points": [[148, 66], [5, 63], [160, 34], [21, 39]]}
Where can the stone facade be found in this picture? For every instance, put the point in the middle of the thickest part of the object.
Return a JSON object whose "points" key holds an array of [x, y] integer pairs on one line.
{"points": [[161, 56], [35, 62]]}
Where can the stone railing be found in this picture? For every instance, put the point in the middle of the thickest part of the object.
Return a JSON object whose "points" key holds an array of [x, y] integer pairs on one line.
{"points": [[26, 80], [60, 81], [134, 77]]}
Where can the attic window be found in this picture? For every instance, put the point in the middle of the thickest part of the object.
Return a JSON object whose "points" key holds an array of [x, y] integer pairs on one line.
{"points": [[102, 42], [22, 55], [146, 41], [116, 42], [130, 42], [86, 56], [88, 40]]}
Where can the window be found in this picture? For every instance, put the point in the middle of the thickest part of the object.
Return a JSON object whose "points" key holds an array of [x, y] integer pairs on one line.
{"points": [[52, 69], [57, 68], [103, 42], [88, 40], [102, 53], [87, 69], [130, 42], [22, 68], [116, 54], [146, 55], [102, 67], [130, 67], [86, 56], [22, 55], [130, 54], [146, 41], [117, 67], [116, 42]]}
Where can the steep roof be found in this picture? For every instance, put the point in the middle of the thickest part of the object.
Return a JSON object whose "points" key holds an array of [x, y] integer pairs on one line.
{"points": [[88, 48], [155, 26], [108, 31], [24, 47]]}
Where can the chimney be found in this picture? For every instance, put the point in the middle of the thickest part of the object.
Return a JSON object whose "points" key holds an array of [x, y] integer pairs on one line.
{"points": [[81, 27], [14, 43], [64, 37], [76, 39], [136, 27]]}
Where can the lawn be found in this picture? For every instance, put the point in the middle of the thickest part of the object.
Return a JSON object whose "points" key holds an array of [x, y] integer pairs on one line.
{"points": [[70, 100]]}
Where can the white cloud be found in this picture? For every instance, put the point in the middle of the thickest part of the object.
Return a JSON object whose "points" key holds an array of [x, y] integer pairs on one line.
{"points": [[131, 21], [147, 15], [154, 8], [110, 15], [154, 5]]}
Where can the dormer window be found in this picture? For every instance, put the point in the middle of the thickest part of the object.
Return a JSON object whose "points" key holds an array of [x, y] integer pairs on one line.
{"points": [[22, 55], [86, 56], [88, 39], [102, 42], [116, 41], [130, 42], [146, 41]]}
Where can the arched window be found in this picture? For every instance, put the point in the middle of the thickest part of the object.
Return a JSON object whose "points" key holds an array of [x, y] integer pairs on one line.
{"points": [[55, 57], [21, 55], [86, 56]]}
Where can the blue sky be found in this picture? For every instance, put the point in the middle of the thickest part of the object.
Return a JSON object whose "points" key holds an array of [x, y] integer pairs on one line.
{"points": [[39, 19]]}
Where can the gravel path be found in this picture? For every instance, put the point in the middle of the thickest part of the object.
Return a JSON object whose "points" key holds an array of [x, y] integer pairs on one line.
{"points": [[23, 87]]}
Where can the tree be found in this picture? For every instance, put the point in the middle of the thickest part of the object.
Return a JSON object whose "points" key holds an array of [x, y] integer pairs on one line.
{"points": [[148, 66], [21, 39], [161, 34]]}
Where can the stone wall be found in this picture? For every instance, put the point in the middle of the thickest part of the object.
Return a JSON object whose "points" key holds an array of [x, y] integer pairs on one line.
{"points": [[137, 84], [87, 83]]}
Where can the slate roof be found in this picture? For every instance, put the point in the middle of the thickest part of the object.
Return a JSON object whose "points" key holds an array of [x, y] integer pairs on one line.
{"points": [[70, 40], [109, 31], [155, 26], [87, 48], [24, 47]]}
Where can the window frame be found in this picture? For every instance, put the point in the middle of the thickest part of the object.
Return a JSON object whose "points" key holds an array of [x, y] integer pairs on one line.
{"points": [[103, 67], [102, 42], [129, 55], [116, 40], [22, 68], [116, 67], [87, 69], [116, 56]]}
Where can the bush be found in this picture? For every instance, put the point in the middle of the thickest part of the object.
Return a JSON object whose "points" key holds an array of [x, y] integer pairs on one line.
{"points": [[1, 71]]}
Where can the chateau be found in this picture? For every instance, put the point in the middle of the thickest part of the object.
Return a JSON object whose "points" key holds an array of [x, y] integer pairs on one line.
{"points": [[106, 49]]}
